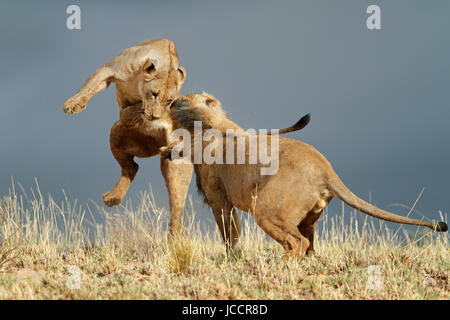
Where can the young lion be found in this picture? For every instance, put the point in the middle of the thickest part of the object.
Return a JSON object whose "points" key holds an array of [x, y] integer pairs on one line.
{"points": [[286, 205], [146, 74], [136, 134]]}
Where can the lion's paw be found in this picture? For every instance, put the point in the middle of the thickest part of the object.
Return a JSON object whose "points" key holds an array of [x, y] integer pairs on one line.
{"points": [[111, 198], [73, 106]]}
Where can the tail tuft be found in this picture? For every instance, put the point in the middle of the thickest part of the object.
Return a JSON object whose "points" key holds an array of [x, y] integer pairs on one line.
{"points": [[441, 227], [302, 122]]}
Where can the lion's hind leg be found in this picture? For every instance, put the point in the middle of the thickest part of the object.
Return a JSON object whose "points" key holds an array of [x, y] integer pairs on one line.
{"points": [[308, 225], [129, 170], [286, 233], [128, 166], [177, 177]]}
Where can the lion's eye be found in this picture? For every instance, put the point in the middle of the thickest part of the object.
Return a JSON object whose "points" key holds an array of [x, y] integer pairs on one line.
{"points": [[150, 68]]}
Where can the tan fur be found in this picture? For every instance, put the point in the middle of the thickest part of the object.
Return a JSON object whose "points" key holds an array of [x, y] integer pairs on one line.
{"points": [[148, 78], [135, 135], [286, 205]]}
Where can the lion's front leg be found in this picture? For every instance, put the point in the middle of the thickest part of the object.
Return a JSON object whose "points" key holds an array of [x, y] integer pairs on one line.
{"points": [[97, 82], [177, 177]]}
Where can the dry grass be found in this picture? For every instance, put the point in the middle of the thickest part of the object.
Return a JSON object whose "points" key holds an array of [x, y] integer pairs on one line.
{"points": [[46, 253]]}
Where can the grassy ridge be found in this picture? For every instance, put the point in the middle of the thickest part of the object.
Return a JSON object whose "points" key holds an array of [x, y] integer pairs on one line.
{"points": [[46, 252]]}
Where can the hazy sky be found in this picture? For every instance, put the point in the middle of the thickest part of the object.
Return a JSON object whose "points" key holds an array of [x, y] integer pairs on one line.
{"points": [[379, 99]]}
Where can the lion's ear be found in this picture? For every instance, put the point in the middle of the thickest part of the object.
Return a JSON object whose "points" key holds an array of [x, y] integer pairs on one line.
{"points": [[181, 74], [147, 69], [210, 100]]}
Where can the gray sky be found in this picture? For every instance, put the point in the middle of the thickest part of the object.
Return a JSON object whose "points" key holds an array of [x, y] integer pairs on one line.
{"points": [[379, 100]]}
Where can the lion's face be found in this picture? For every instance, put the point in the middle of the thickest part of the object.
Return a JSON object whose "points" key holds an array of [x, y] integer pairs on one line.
{"points": [[160, 84]]}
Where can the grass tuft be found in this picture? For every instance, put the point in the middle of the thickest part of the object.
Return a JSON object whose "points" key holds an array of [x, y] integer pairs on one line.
{"points": [[182, 254]]}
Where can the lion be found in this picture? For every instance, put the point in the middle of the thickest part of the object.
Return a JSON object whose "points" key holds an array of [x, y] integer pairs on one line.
{"points": [[286, 205], [147, 75], [138, 134]]}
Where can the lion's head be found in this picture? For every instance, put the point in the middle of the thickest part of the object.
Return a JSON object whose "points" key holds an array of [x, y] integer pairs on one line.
{"points": [[202, 107], [161, 79]]}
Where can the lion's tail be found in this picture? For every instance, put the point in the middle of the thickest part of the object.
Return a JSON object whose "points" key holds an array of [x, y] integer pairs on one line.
{"points": [[342, 192], [300, 124]]}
